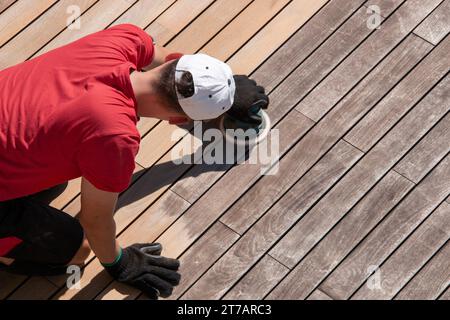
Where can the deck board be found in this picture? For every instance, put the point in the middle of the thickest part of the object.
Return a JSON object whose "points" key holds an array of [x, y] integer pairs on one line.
{"points": [[386, 6], [364, 148], [41, 31], [393, 30], [258, 282], [253, 244], [19, 15], [295, 245], [410, 256], [309, 273], [199, 175], [319, 296], [401, 98], [432, 280], [433, 147], [327, 132], [445, 295], [5, 4], [436, 26], [346, 279]]}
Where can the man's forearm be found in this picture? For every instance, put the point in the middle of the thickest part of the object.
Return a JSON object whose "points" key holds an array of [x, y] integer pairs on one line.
{"points": [[96, 217], [102, 239]]}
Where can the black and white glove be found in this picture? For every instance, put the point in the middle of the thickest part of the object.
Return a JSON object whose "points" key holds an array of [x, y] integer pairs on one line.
{"points": [[143, 267], [249, 98]]}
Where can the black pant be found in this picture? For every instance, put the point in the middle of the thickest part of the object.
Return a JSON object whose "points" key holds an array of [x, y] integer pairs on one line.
{"points": [[49, 236]]}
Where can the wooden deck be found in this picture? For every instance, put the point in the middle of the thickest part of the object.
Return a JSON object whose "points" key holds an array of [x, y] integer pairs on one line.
{"points": [[360, 207]]}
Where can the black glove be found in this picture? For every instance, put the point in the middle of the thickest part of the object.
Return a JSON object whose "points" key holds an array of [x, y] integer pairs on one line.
{"points": [[142, 267], [249, 98]]}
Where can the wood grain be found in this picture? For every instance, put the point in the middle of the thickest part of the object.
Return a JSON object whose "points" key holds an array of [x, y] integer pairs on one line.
{"points": [[436, 26], [308, 274], [253, 17], [361, 178], [318, 65], [410, 256], [19, 15], [9, 282], [254, 243], [208, 208], [319, 295], [97, 18], [405, 95], [445, 295], [427, 153], [33, 289], [429, 283], [177, 17], [37, 34], [209, 248], [389, 234], [274, 34], [152, 223], [154, 145], [327, 132], [386, 6], [144, 12], [203, 176], [367, 56], [304, 42], [258, 281], [5, 4], [212, 20]]}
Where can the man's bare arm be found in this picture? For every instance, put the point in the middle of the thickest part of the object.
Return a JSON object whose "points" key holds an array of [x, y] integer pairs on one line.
{"points": [[160, 57], [96, 217]]}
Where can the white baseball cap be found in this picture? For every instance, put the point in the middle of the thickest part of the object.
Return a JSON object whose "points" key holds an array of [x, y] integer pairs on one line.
{"points": [[214, 86]]}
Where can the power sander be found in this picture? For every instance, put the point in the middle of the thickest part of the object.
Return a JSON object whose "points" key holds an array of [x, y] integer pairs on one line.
{"points": [[248, 128]]}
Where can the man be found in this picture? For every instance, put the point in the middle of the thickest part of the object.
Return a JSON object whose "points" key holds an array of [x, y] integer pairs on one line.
{"points": [[72, 112]]}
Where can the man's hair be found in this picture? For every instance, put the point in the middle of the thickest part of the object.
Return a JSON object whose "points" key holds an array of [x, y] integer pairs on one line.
{"points": [[168, 86]]}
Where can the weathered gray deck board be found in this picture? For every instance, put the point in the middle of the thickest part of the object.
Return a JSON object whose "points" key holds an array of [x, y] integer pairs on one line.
{"points": [[433, 147], [410, 256], [361, 178], [401, 98], [436, 26], [209, 248], [254, 243], [368, 55], [432, 280], [343, 238], [346, 279], [326, 133], [386, 6], [319, 295], [259, 281]]}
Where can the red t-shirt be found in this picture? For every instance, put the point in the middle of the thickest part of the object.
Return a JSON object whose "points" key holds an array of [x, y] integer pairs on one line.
{"points": [[72, 112]]}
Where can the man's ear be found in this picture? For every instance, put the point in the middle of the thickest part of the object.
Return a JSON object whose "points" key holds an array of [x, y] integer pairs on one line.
{"points": [[174, 56]]}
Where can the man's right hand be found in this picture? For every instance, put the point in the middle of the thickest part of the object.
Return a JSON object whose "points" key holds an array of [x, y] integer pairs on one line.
{"points": [[143, 267], [248, 95]]}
